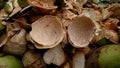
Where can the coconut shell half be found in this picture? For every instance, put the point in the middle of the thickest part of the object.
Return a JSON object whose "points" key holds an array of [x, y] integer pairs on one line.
{"points": [[55, 56], [78, 60], [81, 31], [47, 32]]}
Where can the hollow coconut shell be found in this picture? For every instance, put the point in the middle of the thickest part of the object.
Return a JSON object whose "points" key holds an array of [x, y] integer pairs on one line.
{"points": [[81, 31], [47, 32], [55, 56], [78, 60], [43, 6], [29, 58], [17, 44]]}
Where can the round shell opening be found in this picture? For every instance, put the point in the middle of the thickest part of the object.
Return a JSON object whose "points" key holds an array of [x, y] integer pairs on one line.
{"points": [[81, 31], [47, 31]]}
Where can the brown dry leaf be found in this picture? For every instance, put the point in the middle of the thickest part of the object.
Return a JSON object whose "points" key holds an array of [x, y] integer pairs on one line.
{"points": [[106, 14], [75, 5], [93, 14], [3, 39], [109, 34], [22, 22], [67, 14], [66, 22], [47, 32], [78, 60], [68, 4], [43, 6], [55, 56], [79, 3], [81, 31], [67, 17], [111, 24]]}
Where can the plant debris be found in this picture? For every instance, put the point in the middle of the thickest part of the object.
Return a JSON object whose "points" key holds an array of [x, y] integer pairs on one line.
{"points": [[58, 33]]}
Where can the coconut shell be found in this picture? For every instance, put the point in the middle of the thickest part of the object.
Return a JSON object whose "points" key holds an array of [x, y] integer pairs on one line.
{"points": [[81, 31], [17, 44], [29, 58], [55, 56], [78, 60], [47, 32]]}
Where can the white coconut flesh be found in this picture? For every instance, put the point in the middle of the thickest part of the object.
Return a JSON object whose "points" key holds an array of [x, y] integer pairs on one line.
{"points": [[47, 31], [81, 31]]}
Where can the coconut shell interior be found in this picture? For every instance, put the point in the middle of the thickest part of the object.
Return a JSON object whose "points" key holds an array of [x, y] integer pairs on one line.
{"points": [[81, 31], [47, 31]]}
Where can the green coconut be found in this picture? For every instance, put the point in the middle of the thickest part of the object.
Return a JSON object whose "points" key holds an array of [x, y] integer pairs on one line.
{"points": [[107, 56], [9, 61]]}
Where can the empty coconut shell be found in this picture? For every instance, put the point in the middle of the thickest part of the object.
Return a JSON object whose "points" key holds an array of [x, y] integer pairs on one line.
{"points": [[79, 60], [55, 56], [29, 58], [43, 6], [33, 59], [47, 32], [81, 31], [17, 44]]}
